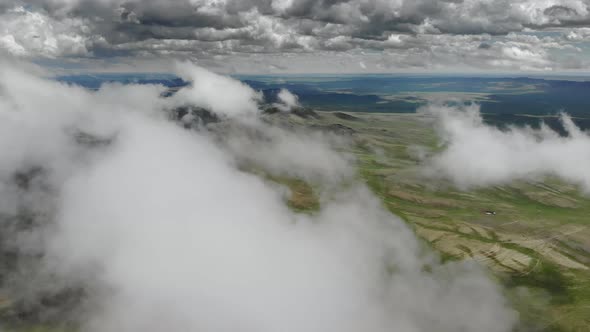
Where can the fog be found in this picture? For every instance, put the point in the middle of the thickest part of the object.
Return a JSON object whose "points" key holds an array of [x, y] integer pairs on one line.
{"points": [[477, 154], [163, 229]]}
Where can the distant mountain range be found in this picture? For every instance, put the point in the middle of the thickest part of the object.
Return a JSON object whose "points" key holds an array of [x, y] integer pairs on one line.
{"points": [[95, 81], [392, 93]]}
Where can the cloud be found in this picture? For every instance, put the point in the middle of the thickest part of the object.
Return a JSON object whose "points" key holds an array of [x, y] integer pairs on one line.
{"points": [[578, 34], [476, 154], [204, 30], [218, 93], [287, 100], [27, 33], [162, 228]]}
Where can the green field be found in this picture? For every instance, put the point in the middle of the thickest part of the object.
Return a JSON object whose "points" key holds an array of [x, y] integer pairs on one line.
{"points": [[533, 236]]}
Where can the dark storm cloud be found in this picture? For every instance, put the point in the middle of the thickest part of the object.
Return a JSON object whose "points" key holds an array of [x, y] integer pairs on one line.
{"points": [[560, 11]]}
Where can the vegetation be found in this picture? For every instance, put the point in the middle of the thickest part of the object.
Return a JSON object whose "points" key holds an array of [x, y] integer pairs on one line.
{"points": [[533, 236]]}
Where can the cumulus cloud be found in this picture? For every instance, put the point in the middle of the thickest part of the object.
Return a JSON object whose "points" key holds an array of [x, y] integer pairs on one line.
{"points": [[204, 30], [27, 33], [163, 230], [219, 93], [578, 34], [287, 100], [477, 154]]}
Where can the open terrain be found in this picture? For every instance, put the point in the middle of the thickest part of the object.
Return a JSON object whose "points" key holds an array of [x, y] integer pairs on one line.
{"points": [[533, 236]]}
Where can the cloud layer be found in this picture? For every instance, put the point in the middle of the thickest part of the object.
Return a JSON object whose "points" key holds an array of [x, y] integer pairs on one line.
{"points": [[476, 154], [384, 35], [163, 230]]}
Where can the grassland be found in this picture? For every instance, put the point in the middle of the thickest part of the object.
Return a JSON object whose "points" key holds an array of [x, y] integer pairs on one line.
{"points": [[533, 236]]}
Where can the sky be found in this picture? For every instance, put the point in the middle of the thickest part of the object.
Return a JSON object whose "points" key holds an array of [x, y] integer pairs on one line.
{"points": [[300, 36]]}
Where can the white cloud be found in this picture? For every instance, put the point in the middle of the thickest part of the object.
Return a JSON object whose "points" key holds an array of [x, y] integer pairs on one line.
{"points": [[215, 92], [8, 43], [578, 34], [477, 154], [286, 100], [165, 231], [27, 33]]}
